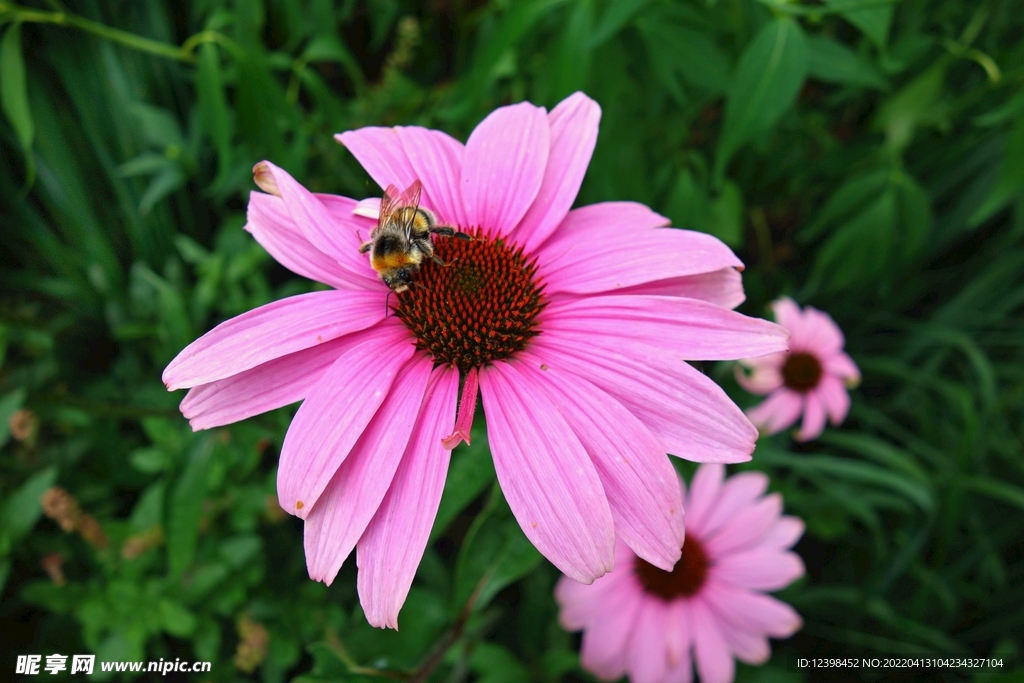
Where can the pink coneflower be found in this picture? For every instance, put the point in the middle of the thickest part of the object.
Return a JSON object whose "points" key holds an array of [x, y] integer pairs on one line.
{"points": [[810, 378], [573, 325], [655, 624]]}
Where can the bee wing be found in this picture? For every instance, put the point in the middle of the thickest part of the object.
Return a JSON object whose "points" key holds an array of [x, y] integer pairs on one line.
{"points": [[391, 201], [411, 195]]}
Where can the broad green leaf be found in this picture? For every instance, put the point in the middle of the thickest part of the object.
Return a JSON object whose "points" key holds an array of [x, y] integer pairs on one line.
{"points": [[149, 511], [187, 508], [851, 196], [860, 247], [873, 19], [494, 664], [494, 553], [725, 215], [618, 14], [678, 52], [913, 106], [24, 507], [915, 216], [830, 61], [570, 68], [763, 87], [470, 472], [13, 93], [175, 619]]}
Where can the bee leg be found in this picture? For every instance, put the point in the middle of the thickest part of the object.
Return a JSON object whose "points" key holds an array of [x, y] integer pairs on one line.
{"points": [[462, 236], [365, 247], [438, 261], [449, 231], [386, 300]]}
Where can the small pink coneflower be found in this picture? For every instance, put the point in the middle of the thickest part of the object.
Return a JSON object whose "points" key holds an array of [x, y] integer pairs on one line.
{"points": [[811, 378], [654, 625], [574, 326]]}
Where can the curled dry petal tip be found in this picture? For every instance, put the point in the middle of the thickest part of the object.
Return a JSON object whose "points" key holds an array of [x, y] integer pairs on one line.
{"points": [[455, 438], [264, 179]]}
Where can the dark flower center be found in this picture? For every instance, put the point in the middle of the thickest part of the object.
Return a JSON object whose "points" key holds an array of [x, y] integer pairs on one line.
{"points": [[482, 306], [684, 580], [801, 372]]}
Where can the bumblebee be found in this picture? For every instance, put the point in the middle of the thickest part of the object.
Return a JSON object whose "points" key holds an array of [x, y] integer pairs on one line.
{"points": [[401, 241]]}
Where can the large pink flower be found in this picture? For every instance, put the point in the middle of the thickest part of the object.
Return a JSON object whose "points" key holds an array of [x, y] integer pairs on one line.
{"points": [[575, 326], [654, 625], [810, 378]]}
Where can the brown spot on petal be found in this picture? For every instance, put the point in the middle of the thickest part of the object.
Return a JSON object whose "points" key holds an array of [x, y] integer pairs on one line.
{"points": [[299, 505]]}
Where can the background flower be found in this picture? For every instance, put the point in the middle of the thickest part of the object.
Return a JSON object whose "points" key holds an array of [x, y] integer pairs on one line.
{"points": [[656, 626], [811, 378]]}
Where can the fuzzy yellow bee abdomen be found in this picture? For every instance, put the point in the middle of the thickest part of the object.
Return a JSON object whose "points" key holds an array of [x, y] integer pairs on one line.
{"points": [[392, 260]]}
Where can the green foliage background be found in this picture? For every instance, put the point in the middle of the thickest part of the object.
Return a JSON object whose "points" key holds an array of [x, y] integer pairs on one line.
{"points": [[864, 156]]}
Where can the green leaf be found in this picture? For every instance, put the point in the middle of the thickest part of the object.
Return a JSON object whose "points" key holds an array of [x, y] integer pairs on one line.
{"points": [[997, 490], [830, 61], [9, 404], [494, 553], [470, 472], [13, 91], [852, 195], [873, 21], [1010, 183], [149, 460], [213, 104], [859, 248], [149, 511], [494, 664], [187, 508], [765, 85], [24, 507], [617, 15], [175, 619], [570, 67], [679, 52], [913, 106]]}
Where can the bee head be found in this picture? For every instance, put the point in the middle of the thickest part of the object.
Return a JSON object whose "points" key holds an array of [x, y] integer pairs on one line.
{"points": [[399, 279]]}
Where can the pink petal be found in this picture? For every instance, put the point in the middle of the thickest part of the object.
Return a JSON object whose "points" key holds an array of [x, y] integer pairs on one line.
{"points": [[320, 226], [581, 604], [754, 612], [351, 230], [548, 479], [467, 409], [273, 227], [678, 635], [336, 412], [777, 412], [736, 494], [765, 375], [814, 418], [759, 569], [749, 648], [272, 331], [344, 509], [686, 411], [687, 328], [842, 365], [604, 643], [390, 549], [265, 387], [502, 170], [573, 126], [381, 153], [788, 314], [745, 528], [704, 489], [783, 534], [613, 245], [822, 332], [833, 395], [647, 651], [680, 673], [368, 208], [640, 482], [436, 158], [722, 287], [714, 662]]}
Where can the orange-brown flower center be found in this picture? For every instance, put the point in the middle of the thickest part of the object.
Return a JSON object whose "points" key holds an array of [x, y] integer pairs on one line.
{"points": [[684, 580], [482, 306], [801, 372]]}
